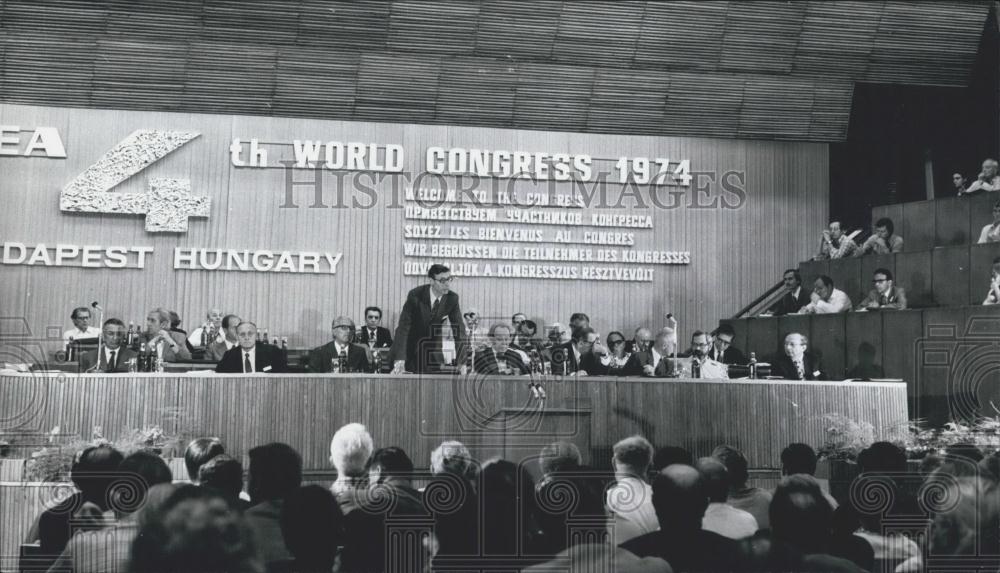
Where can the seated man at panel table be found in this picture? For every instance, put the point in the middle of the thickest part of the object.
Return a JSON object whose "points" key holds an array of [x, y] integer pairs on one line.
{"points": [[578, 320], [642, 340], [249, 356], [114, 357], [722, 346], [885, 295], [340, 348], [826, 299], [583, 354], [795, 297], [373, 330], [211, 329], [656, 361], [834, 244], [218, 349], [701, 344], [169, 346], [882, 241], [988, 179], [81, 326], [797, 362], [499, 357]]}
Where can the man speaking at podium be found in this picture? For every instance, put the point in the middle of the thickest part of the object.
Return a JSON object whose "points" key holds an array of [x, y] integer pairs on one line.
{"points": [[417, 344]]}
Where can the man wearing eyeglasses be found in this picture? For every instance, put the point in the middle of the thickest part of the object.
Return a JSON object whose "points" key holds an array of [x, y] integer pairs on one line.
{"points": [[419, 334], [374, 330], [885, 295], [114, 357], [722, 346]]}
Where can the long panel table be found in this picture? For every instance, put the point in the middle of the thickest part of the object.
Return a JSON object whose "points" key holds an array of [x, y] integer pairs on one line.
{"points": [[494, 416]]}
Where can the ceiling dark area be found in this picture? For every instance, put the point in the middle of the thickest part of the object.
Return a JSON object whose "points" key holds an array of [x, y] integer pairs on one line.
{"points": [[743, 69]]}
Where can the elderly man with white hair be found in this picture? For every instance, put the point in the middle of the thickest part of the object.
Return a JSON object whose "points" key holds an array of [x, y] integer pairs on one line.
{"points": [[350, 449], [454, 458], [655, 362], [210, 331], [797, 363]]}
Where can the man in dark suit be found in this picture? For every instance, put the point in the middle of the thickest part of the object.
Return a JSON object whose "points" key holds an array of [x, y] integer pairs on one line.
{"points": [[583, 354], [218, 348], [373, 330], [797, 363], [795, 296], [722, 346], [417, 344], [499, 357], [321, 358], [114, 357], [656, 361], [250, 357], [680, 499]]}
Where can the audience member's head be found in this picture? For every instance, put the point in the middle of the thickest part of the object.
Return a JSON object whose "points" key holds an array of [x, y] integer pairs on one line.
{"points": [[93, 472], [224, 474], [715, 478], [632, 456], [507, 501], [275, 471], [136, 474], [800, 515], [389, 464], [798, 458], [350, 449], [835, 230], [679, 498], [882, 458], [199, 451], [312, 525], [884, 228], [970, 526], [578, 498], [735, 463], [669, 455], [196, 531], [559, 457], [990, 167], [958, 180], [454, 458]]}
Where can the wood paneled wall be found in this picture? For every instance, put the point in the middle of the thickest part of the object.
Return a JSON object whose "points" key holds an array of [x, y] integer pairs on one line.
{"points": [[735, 254]]}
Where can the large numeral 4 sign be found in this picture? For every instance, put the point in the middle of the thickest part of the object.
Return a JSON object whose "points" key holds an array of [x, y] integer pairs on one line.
{"points": [[167, 203]]}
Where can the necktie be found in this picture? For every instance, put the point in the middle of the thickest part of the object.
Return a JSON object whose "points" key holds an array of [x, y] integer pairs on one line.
{"points": [[247, 367], [434, 307], [800, 369], [111, 361]]}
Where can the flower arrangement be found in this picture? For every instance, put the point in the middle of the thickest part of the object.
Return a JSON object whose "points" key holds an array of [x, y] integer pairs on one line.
{"points": [[845, 437], [52, 463]]}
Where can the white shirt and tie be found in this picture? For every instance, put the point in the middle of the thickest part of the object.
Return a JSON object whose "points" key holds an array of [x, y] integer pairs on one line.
{"points": [[249, 359], [110, 358]]}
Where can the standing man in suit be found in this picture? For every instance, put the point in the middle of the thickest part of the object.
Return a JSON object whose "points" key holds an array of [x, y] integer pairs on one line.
{"points": [[114, 357], [797, 363], [250, 357], [321, 358], [795, 296], [722, 346], [168, 346], [373, 330], [499, 357], [417, 344], [216, 350], [656, 361], [583, 354]]}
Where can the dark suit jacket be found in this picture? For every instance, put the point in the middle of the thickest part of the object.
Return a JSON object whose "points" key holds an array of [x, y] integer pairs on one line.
{"points": [[87, 360], [418, 334], [782, 366], [320, 357], [487, 361], [266, 355], [692, 551], [383, 338], [732, 355], [789, 304], [636, 365], [563, 354]]}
